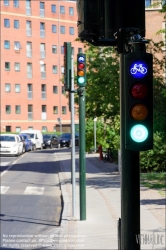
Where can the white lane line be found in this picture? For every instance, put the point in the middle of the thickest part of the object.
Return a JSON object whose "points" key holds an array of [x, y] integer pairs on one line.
{"points": [[34, 190], [3, 164], [4, 189]]}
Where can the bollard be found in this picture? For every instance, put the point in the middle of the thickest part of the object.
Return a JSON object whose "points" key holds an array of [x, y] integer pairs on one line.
{"points": [[100, 152]]}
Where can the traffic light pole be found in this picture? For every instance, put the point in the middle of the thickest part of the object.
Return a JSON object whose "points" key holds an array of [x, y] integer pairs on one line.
{"points": [[82, 159], [130, 173]]}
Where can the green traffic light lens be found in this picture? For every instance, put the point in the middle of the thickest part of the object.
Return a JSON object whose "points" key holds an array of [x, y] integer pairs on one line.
{"points": [[139, 133], [81, 80]]}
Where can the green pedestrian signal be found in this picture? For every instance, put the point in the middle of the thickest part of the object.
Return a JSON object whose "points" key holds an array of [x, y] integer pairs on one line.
{"points": [[138, 101], [81, 70], [67, 65]]}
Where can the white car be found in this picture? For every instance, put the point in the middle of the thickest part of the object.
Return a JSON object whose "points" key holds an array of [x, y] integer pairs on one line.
{"points": [[10, 144]]}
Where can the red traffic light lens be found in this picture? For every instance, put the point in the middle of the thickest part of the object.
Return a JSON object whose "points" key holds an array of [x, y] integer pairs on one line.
{"points": [[139, 90], [81, 66]]}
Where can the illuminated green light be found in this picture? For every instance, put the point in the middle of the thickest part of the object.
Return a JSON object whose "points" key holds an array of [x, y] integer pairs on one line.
{"points": [[81, 80], [139, 133]]}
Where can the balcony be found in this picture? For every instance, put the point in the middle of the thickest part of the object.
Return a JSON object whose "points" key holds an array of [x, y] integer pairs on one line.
{"points": [[29, 74], [42, 33], [29, 32], [44, 116], [29, 53], [30, 116], [30, 95], [28, 11]]}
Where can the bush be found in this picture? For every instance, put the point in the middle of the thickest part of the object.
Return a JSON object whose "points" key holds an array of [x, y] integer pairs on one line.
{"points": [[155, 159]]}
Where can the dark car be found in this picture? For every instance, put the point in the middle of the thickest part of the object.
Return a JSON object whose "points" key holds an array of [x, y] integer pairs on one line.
{"points": [[50, 141], [65, 140], [26, 139]]}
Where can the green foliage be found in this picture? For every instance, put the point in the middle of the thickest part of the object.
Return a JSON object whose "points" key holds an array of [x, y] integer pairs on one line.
{"points": [[155, 159]]}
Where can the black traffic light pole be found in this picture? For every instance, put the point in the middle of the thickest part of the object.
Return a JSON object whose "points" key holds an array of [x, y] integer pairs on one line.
{"points": [[130, 174]]}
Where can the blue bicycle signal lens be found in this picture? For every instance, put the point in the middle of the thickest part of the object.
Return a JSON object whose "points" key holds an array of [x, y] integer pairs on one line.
{"points": [[81, 59], [139, 133], [138, 69]]}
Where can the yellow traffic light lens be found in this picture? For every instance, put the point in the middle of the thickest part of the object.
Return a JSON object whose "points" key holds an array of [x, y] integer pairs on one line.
{"points": [[139, 112], [81, 73]]}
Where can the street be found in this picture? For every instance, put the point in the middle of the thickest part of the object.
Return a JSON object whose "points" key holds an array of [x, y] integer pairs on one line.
{"points": [[31, 204]]}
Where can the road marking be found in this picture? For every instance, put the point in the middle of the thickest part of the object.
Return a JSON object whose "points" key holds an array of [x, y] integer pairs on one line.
{"points": [[10, 166], [4, 189], [34, 190], [3, 164]]}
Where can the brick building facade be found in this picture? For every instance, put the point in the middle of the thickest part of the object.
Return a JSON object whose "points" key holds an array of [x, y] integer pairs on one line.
{"points": [[33, 33]]}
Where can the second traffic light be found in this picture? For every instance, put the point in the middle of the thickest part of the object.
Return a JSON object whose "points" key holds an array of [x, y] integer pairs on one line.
{"points": [[138, 101], [81, 70]]}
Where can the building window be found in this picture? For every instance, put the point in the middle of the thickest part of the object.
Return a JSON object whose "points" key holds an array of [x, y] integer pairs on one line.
{"points": [[28, 28], [62, 49], [44, 114], [63, 110], [44, 129], [16, 3], [43, 91], [6, 2], [54, 69], [29, 49], [55, 90], [43, 71], [79, 50], [147, 3], [7, 66], [62, 9], [62, 29], [42, 30], [42, 50], [18, 129], [6, 23], [17, 66], [30, 93], [18, 109], [53, 8], [71, 30], [63, 89], [72, 50], [62, 69], [17, 88], [16, 24], [30, 112], [55, 109], [28, 7], [71, 11], [29, 70], [42, 8], [7, 44], [8, 109], [17, 45], [7, 87], [54, 49], [54, 29], [54, 129]]}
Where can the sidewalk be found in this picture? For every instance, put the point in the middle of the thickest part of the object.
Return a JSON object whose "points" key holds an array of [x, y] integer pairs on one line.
{"points": [[99, 230]]}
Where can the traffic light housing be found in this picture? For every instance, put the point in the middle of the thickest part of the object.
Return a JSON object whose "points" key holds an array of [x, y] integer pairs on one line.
{"points": [[67, 65], [81, 70], [138, 70]]}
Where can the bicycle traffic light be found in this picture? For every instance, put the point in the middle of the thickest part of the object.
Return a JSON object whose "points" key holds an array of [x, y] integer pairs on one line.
{"points": [[138, 101], [81, 70], [67, 65]]}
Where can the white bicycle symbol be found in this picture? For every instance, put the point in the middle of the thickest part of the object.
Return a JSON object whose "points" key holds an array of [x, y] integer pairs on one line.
{"points": [[138, 68]]}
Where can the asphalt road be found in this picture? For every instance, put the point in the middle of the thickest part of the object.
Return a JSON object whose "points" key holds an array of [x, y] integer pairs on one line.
{"points": [[31, 202]]}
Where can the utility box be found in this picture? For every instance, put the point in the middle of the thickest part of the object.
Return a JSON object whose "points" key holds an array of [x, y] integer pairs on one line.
{"points": [[101, 19]]}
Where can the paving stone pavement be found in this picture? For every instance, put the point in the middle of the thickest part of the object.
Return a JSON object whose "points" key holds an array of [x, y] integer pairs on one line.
{"points": [[99, 230]]}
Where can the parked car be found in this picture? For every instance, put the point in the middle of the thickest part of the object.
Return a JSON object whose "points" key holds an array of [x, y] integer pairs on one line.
{"points": [[11, 144], [28, 144], [36, 137], [50, 140], [65, 140]]}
